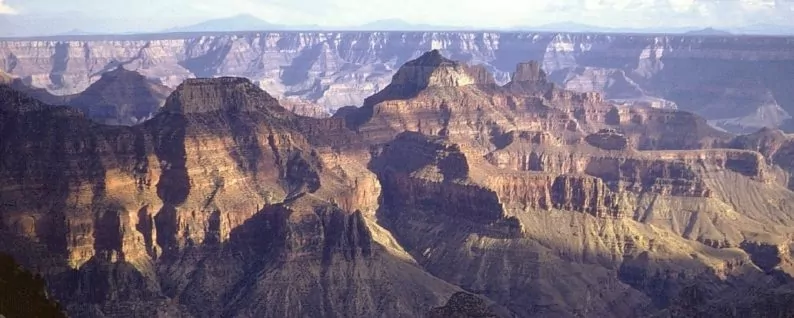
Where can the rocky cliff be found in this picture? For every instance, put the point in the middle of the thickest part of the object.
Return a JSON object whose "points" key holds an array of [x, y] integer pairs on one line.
{"points": [[121, 97], [739, 82], [540, 200], [24, 293], [479, 188], [217, 189]]}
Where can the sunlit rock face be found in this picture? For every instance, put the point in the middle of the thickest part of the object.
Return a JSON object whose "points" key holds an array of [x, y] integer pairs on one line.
{"points": [[738, 83], [222, 175], [446, 193]]}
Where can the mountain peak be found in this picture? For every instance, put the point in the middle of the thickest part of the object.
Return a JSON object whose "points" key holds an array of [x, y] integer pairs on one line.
{"points": [[225, 94], [240, 22], [121, 97], [431, 58], [529, 72], [431, 69], [529, 77], [121, 72]]}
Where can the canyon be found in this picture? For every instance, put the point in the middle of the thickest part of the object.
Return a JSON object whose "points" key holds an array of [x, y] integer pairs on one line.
{"points": [[453, 190], [738, 83]]}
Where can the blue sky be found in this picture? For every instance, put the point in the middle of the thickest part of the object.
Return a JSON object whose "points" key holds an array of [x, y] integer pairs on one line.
{"points": [[150, 15]]}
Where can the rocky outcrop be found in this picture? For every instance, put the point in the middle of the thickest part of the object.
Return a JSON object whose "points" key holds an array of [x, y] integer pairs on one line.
{"points": [[463, 305], [586, 194], [542, 200], [337, 69], [37, 93], [304, 108], [769, 256], [225, 94], [608, 139], [696, 301], [121, 97], [529, 78], [613, 83], [24, 294], [664, 129], [220, 179], [776, 146], [416, 171], [429, 71]]}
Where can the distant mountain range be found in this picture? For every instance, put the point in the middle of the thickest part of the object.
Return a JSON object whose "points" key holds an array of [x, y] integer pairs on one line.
{"points": [[402, 25], [247, 22], [243, 22], [709, 31], [22, 26]]}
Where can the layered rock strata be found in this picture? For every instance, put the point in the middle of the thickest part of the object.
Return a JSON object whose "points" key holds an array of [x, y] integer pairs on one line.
{"points": [[543, 201], [741, 82]]}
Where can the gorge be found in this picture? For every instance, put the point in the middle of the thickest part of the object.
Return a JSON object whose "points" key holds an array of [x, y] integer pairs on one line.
{"points": [[739, 83], [453, 190]]}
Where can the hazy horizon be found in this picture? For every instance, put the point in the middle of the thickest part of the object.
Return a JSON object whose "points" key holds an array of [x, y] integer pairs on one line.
{"points": [[40, 17]]}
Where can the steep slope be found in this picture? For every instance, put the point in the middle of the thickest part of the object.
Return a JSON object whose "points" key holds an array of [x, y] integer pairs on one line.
{"points": [[219, 205], [732, 75], [24, 294], [583, 207], [38, 93], [543, 201], [121, 97]]}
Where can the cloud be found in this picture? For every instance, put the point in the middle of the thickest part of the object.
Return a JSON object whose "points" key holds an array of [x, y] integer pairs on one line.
{"points": [[5, 9], [477, 13]]}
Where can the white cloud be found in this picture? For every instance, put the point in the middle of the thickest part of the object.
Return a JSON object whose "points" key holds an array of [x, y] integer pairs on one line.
{"points": [[681, 5], [476, 13], [5, 9], [505, 13]]}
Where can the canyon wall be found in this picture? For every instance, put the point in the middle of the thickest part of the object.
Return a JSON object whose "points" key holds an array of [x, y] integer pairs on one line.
{"points": [[337, 69], [544, 201]]}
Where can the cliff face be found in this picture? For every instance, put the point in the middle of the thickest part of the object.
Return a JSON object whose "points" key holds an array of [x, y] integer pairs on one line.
{"points": [[544, 201], [24, 295], [741, 82], [188, 205], [481, 185], [121, 97]]}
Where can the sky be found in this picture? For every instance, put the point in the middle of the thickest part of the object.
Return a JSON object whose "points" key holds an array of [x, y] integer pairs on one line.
{"points": [[153, 15]]}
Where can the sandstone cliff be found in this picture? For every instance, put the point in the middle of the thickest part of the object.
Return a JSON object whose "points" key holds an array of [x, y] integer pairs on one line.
{"points": [[179, 215], [121, 97], [479, 188], [543, 201], [740, 83]]}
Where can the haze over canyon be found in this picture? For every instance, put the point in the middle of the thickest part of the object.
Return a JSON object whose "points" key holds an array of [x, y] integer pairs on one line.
{"points": [[398, 174], [739, 83]]}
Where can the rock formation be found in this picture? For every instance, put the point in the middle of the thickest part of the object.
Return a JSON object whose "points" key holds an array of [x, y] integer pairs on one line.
{"points": [[121, 97], [216, 182], [463, 305], [24, 294], [535, 200], [738, 83]]}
